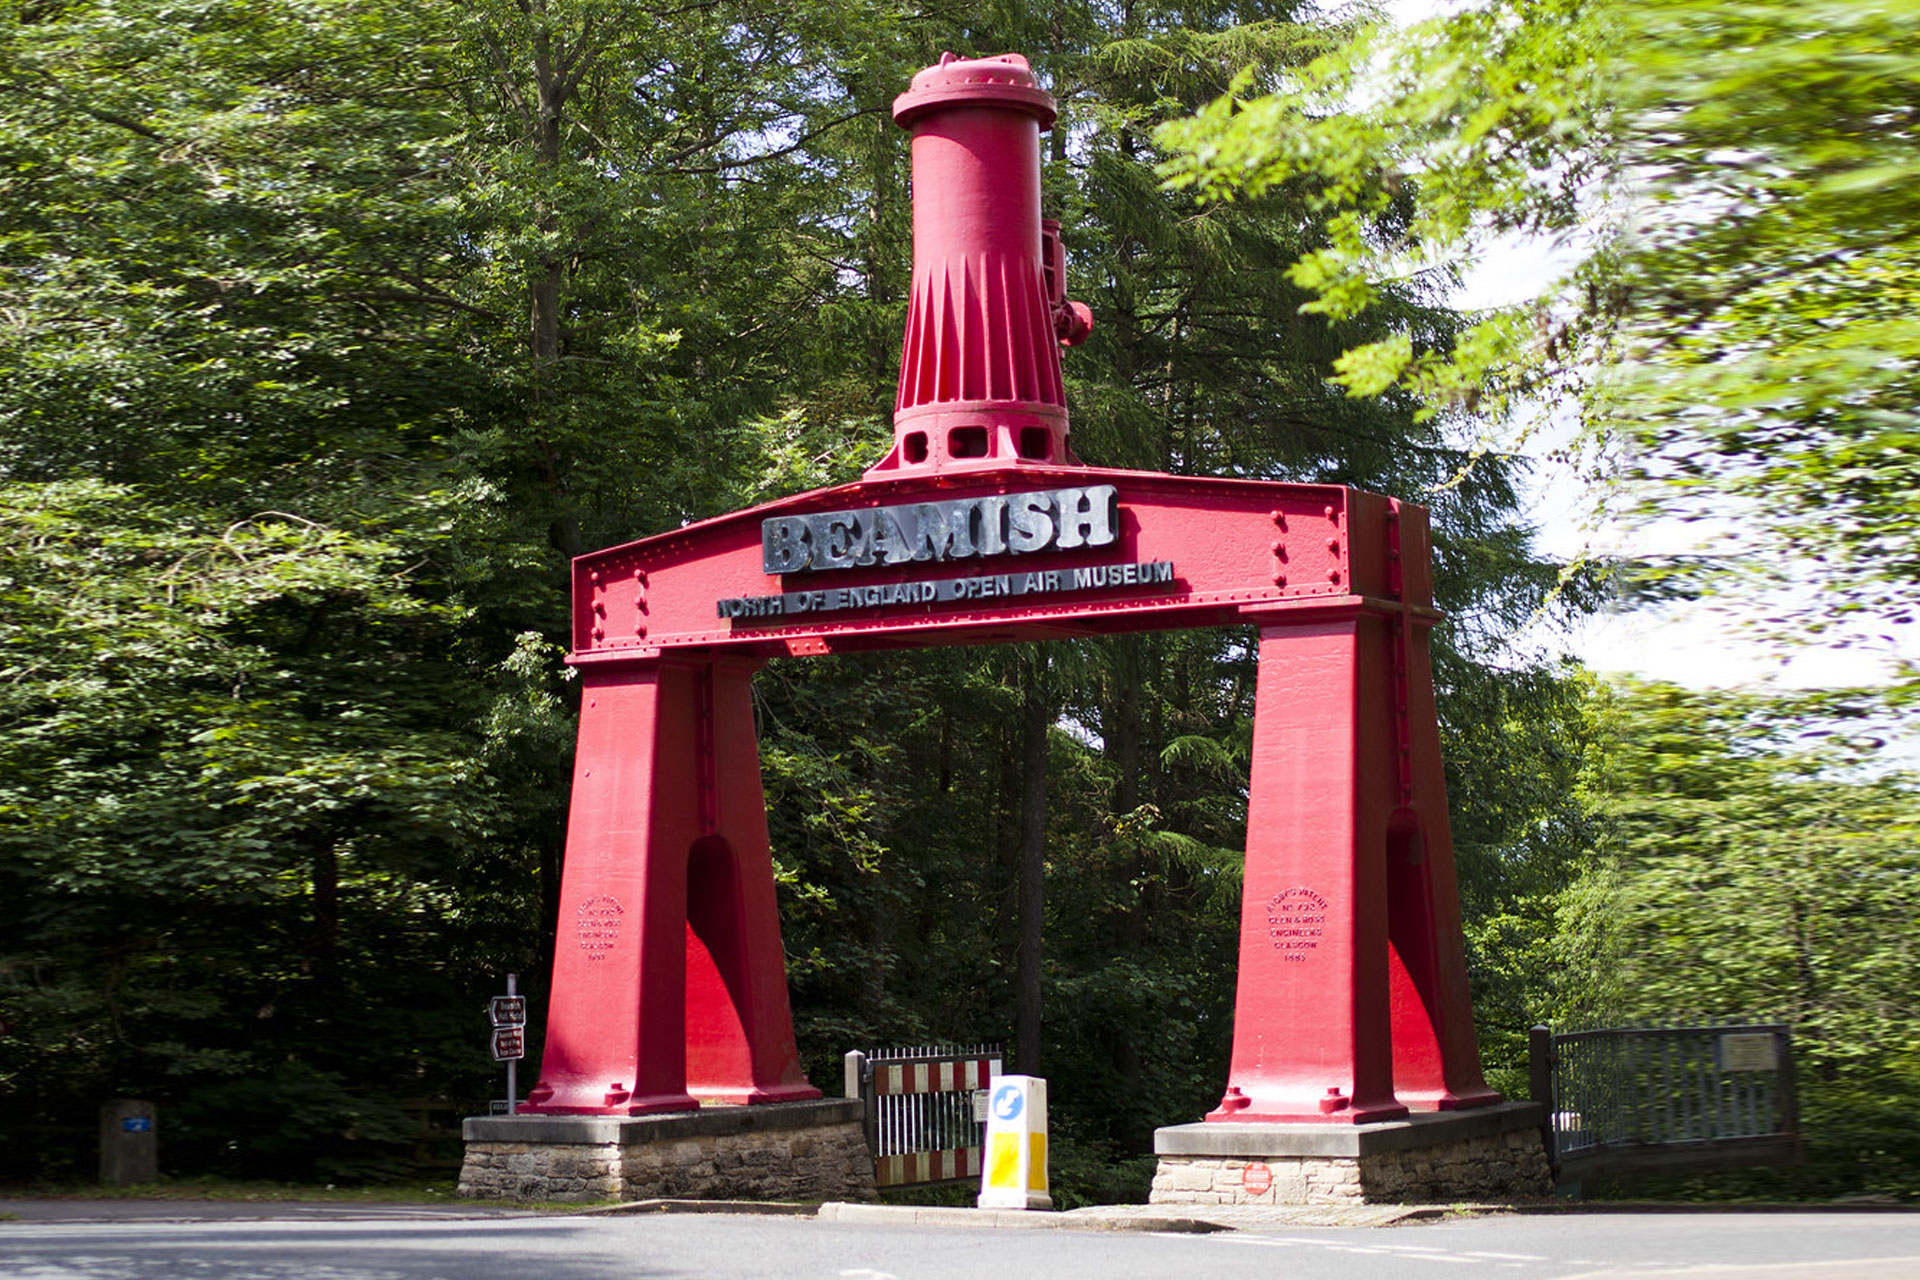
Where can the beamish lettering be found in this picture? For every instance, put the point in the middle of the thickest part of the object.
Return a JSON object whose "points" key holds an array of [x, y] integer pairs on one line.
{"points": [[986, 587], [958, 529]]}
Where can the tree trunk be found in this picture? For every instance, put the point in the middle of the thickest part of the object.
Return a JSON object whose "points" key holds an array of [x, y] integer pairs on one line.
{"points": [[1033, 848], [326, 916], [547, 284]]}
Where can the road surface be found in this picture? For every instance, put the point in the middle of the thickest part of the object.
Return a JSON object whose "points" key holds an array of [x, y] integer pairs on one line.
{"points": [[443, 1244]]}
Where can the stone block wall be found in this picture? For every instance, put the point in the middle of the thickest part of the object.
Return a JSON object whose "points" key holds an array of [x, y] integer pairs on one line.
{"points": [[698, 1156], [1502, 1167]]}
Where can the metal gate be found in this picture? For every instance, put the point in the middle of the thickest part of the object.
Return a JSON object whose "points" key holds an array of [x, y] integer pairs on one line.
{"points": [[925, 1108], [1666, 1099]]}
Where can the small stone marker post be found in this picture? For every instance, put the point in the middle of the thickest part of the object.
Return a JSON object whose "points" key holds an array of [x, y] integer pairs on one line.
{"points": [[129, 1143], [1014, 1174]]}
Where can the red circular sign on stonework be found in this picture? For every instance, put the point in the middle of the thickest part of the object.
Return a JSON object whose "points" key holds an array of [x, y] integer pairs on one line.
{"points": [[1256, 1179]]}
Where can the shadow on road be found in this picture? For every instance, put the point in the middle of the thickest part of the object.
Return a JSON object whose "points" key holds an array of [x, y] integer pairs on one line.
{"points": [[546, 1249]]}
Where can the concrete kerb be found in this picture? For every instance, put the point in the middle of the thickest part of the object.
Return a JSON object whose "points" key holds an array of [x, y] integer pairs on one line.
{"points": [[755, 1208], [1143, 1217], [1125, 1217], [1112, 1217], [901, 1215]]}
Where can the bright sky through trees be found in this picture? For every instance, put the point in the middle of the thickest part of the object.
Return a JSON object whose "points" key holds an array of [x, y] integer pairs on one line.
{"points": [[1699, 644]]}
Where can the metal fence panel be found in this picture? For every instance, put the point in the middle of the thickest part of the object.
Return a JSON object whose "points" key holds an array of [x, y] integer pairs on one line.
{"points": [[1672, 1098]]}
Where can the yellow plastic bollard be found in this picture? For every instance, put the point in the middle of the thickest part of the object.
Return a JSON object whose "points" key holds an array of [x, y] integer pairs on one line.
{"points": [[1014, 1174]]}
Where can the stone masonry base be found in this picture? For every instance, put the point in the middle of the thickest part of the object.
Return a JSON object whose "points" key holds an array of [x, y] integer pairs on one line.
{"points": [[1489, 1153], [776, 1151]]}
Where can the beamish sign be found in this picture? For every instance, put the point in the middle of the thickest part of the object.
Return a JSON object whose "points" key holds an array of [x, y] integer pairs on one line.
{"points": [[956, 529]]}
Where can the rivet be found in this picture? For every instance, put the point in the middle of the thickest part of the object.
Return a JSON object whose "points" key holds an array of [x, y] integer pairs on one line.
{"points": [[1333, 545], [600, 608], [1331, 515], [594, 577], [1279, 579], [1333, 575], [599, 633]]}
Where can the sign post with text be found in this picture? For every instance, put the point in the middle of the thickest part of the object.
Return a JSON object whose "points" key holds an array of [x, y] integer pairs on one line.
{"points": [[509, 1016]]}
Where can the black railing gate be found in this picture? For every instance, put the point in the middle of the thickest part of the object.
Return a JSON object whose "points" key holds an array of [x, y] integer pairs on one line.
{"points": [[1665, 1099]]}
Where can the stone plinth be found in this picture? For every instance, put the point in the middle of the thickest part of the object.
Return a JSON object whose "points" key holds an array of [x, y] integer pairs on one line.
{"points": [[1488, 1153], [775, 1151]]}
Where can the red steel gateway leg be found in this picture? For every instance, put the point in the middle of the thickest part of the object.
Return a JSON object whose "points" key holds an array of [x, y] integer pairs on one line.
{"points": [[1312, 1037], [667, 904], [1436, 1059], [1352, 1004]]}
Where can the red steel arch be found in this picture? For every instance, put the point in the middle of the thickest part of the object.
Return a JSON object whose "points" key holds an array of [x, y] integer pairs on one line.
{"points": [[669, 986]]}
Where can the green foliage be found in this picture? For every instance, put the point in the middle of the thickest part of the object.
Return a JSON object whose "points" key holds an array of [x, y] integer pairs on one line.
{"points": [[1730, 177], [1518, 747], [227, 785], [1751, 873]]}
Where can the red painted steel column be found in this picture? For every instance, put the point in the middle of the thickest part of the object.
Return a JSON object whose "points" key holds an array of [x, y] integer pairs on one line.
{"points": [[658, 873], [616, 1022], [1311, 1038], [740, 1045], [1436, 1059]]}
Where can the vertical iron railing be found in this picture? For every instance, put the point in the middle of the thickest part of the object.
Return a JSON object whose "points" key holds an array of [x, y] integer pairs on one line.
{"points": [[924, 1123], [1666, 1098]]}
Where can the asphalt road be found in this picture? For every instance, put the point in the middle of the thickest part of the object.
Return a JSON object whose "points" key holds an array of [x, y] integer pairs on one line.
{"points": [[380, 1245]]}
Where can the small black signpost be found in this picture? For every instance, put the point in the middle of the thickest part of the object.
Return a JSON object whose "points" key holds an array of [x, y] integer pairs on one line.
{"points": [[509, 1013]]}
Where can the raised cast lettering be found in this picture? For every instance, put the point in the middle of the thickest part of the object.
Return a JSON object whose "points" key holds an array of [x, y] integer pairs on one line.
{"points": [[1029, 521], [942, 530], [993, 526], [841, 540], [958, 529], [784, 545], [1088, 517]]}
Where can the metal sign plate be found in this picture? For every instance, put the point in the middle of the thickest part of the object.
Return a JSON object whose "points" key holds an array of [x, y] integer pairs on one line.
{"points": [[1748, 1052], [509, 1011], [509, 1043]]}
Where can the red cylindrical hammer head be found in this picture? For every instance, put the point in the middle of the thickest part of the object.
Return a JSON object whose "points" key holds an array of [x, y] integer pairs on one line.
{"points": [[980, 369]]}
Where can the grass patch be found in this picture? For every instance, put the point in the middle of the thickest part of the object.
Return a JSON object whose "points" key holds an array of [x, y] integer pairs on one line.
{"points": [[426, 1192]]}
